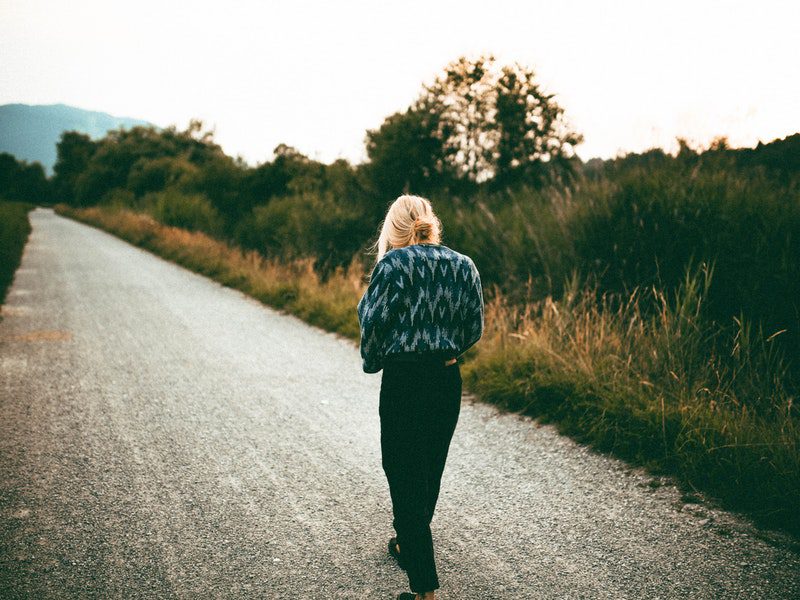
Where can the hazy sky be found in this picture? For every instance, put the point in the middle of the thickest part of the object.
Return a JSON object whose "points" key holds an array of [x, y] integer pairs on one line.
{"points": [[316, 75]]}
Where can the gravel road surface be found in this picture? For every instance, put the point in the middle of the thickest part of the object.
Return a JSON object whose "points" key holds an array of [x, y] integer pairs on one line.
{"points": [[162, 436]]}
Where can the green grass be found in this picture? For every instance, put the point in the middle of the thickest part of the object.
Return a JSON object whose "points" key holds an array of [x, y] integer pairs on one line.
{"points": [[14, 230]]}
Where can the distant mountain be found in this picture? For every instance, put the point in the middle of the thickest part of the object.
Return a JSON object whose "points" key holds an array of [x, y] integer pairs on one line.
{"points": [[30, 132]]}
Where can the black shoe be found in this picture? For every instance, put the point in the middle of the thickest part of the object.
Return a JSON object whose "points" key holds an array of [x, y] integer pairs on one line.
{"points": [[407, 596], [393, 551]]}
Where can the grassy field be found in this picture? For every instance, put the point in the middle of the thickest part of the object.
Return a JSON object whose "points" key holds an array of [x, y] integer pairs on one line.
{"points": [[639, 385], [14, 230]]}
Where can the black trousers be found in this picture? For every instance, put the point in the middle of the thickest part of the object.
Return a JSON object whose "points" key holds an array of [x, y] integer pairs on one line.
{"points": [[419, 408]]}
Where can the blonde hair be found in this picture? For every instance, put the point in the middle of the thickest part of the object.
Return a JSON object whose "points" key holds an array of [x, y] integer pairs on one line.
{"points": [[409, 220]]}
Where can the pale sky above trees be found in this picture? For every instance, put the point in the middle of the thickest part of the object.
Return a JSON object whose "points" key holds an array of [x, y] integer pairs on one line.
{"points": [[316, 75]]}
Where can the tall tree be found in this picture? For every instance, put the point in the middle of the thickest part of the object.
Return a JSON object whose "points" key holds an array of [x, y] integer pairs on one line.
{"points": [[497, 123], [476, 125], [532, 134], [74, 151], [462, 99], [20, 180], [405, 154]]}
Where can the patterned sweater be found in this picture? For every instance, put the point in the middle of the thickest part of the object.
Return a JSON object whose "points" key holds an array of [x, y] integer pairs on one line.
{"points": [[420, 298]]}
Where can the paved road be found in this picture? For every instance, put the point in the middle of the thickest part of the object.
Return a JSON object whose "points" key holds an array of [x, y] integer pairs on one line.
{"points": [[162, 436]]}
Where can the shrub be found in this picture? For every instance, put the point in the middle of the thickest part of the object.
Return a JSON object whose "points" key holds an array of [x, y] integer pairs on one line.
{"points": [[14, 230], [188, 211], [305, 225]]}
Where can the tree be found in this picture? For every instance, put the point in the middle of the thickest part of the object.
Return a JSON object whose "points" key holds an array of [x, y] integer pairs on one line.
{"points": [[20, 180], [497, 123], [405, 154], [462, 101], [531, 129], [87, 170], [475, 124], [74, 151]]}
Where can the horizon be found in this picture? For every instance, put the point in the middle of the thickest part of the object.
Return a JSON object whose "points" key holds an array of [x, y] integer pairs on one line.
{"points": [[251, 164], [321, 97]]}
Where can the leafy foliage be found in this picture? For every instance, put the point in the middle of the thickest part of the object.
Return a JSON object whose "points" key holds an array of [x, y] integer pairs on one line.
{"points": [[14, 230], [188, 211], [22, 181], [477, 123]]}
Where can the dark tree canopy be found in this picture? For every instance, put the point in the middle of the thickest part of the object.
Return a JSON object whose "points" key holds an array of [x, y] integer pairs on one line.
{"points": [[477, 123], [405, 153], [21, 180], [74, 151]]}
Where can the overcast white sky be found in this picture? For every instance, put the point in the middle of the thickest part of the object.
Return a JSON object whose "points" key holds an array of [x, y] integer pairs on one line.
{"points": [[316, 75]]}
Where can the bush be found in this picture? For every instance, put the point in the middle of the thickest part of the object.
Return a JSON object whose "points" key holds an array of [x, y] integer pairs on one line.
{"points": [[305, 225], [14, 230], [188, 211], [119, 198]]}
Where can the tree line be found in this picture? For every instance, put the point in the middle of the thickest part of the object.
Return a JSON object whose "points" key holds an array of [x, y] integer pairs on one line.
{"points": [[478, 127], [496, 155]]}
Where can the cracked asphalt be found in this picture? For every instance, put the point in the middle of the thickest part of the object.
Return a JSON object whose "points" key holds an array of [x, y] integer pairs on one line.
{"points": [[162, 436]]}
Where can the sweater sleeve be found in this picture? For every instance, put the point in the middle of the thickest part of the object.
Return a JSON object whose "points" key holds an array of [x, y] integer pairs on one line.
{"points": [[475, 310], [374, 311]]}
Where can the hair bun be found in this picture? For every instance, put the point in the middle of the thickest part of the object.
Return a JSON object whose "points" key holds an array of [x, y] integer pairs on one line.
{"points": [[422, 227]]}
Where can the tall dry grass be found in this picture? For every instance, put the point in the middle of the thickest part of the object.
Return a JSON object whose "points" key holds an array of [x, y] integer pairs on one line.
{"points": [[663, 389]]}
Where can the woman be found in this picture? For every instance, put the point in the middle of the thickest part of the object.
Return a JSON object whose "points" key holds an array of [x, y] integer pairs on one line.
{"points": [[423, 308]]}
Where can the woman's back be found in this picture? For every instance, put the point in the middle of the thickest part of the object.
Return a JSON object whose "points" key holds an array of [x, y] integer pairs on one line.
{"points": [[422, 298]]}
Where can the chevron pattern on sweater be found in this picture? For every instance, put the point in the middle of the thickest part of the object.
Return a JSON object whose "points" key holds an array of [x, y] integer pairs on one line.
{"points": [[420, 298]]}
